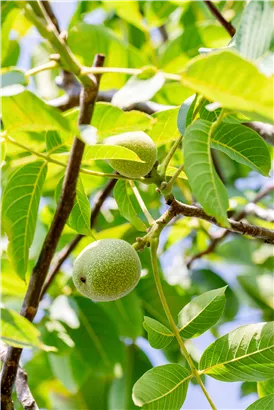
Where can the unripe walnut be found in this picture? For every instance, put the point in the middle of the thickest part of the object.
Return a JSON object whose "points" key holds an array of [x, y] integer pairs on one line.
{"points": [[140, 143], [107, 270]]}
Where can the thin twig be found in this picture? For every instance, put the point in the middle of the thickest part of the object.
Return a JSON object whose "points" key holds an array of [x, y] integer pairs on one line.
{"points": [[24, 394], [66, 251], [64, 207], [226, 24]]}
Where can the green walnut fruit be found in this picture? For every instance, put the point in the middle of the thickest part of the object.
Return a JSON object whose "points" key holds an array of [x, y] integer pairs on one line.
{"points": [[142, 145], [107, 270]]}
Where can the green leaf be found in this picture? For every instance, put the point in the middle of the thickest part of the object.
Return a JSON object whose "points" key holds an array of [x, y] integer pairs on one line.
{"points": [[266, 403], [11, 283], [201, 313], [205, 280], [120, 395], [260, 288], [165, 128], [127, 11], [11, 76], [111, 120], [19, 211], [138, 90], [245, 354], [6, 7], [105, 151], [85, 40], [243, 145], [97, 348], [159, 336], [17, 331], [79, 218], [45, 80], [162, 387], [265, 388], [127, 314], [172, 170], [185, 113], [24, 111], [54, 143], [222, 77], [127, 205], [3, 149], [254, 35], [202, 176]]}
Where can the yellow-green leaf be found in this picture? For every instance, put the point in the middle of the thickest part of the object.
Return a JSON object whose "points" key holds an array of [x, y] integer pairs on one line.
{"points": [[224, 76]]}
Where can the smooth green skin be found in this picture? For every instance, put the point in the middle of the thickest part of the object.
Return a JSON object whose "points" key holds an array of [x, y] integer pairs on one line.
{"points": [[142, 145], [106, 270]]}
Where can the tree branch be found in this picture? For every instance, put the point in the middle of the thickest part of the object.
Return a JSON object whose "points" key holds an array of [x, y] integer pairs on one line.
{"points": [[66, 251], [226, 24], [21, 384], [220, 236], [64, 207]]}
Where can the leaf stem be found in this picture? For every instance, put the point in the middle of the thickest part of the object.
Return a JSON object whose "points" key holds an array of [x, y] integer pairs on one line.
{"points": [[171, 152], [124, 70], [153, 249], [43, 67], [174, 178], [48, 158], [141, 203]]}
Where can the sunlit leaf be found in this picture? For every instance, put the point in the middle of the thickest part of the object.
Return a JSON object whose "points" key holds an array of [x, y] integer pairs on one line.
{"points": [[266, 403], [128, 11], [3, 148], [19, 211], [159, 336], [202, 176], [24, 111], [201, 313], [84, 41], [17, 331], [125, 200], [111, 120], [222, 77], [265, 388], [162, 387], [165, 127], [110, 152], [245, 354]]}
